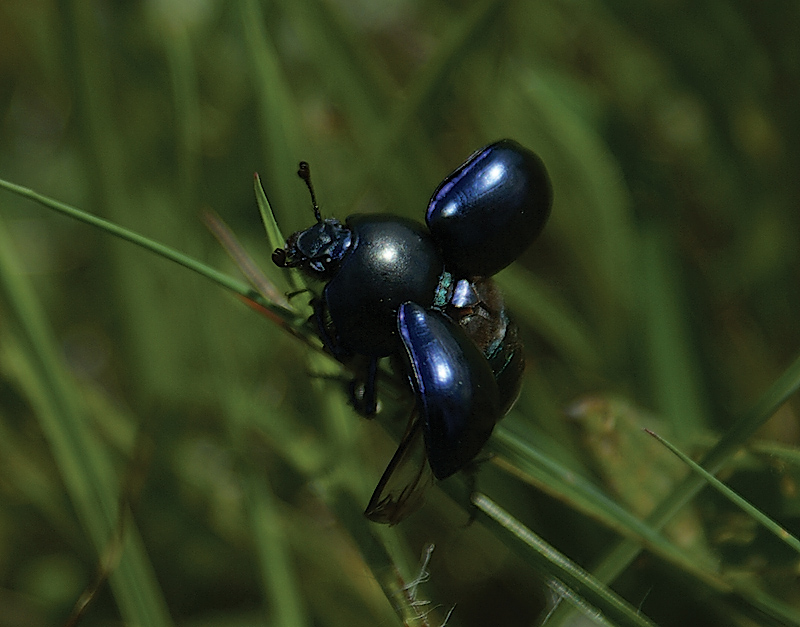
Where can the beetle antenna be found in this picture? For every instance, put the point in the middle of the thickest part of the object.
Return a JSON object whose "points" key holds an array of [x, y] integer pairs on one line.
{"points": [[304, 172]]}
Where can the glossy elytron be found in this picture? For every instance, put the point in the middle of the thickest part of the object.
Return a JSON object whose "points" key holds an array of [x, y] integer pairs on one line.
{"points": [[423, 295]]}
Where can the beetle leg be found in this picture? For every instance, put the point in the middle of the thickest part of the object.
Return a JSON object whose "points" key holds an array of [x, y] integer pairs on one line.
{"points": [[326, 331], [364, 393]]}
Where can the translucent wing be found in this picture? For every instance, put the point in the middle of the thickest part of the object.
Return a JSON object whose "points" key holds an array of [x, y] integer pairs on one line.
{"points": [[401, 490]]}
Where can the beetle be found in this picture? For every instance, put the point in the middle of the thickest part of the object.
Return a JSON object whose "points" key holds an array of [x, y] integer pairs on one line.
{"points": [[422, 295]]}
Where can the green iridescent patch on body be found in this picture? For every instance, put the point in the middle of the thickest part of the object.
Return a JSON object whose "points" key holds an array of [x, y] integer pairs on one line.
{"points": [[443, 291]]}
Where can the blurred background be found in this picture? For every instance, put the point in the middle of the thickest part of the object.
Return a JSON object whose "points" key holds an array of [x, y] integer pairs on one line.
{"points": [[155, 429]]}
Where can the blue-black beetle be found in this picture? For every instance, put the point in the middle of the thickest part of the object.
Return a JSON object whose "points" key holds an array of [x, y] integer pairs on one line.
{"points": [[394, 288]]}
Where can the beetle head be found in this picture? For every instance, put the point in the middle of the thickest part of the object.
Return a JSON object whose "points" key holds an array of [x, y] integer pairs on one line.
{"points": [[318, 249]]}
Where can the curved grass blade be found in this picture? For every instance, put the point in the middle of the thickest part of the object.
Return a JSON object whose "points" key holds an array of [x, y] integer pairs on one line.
{"points": [[275, 238], [111, 555], [220, 278]]}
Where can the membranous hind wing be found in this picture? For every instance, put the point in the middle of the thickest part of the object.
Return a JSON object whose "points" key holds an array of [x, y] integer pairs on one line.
{"points": [[401, 490]]}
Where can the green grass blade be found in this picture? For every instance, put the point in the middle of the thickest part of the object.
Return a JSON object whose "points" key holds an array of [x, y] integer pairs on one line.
{"points": [[275, 238], [183, 74], [672, 355], [530, 299], [277, 110], [274, 558], [536, 468], [377, 556], [744, 428], [159, 249], [84, 464], [544, 557], [621, 556], [773, 527]]}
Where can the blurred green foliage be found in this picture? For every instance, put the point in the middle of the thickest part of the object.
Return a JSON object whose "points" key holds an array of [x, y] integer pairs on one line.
{"points": [[132, 390]]}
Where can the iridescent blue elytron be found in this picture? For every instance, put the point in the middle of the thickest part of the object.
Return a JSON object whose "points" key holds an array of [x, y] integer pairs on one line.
{"points": [[454, 386], [394, 288], [486, 213]]}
